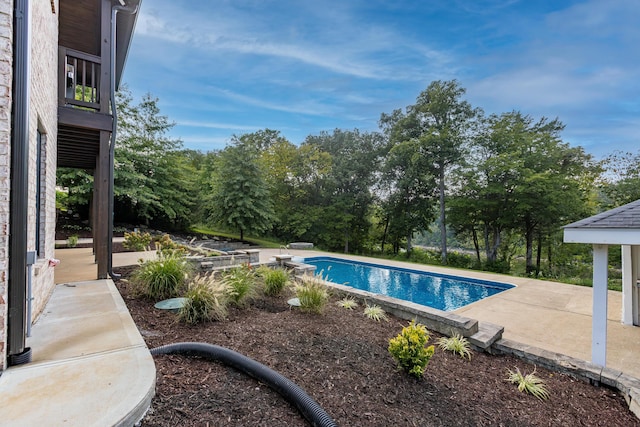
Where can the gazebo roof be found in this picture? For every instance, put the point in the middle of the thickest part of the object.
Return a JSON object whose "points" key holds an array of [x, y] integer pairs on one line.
{"points": [[616, 226]]}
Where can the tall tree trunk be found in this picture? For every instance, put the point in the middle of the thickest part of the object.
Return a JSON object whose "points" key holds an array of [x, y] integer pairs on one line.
{"points": [[409, 235], [443, 221], [539, 254], [492, 243], [476, 244], [384, 235], [241, 234], [346, 241], [528, 235]]}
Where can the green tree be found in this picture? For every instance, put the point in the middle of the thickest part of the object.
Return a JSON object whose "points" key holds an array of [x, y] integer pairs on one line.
{"points": [[240, 198], [408, 194], [622, 178], [523, 179], [440, 122], [348, 197], [152, 181]]}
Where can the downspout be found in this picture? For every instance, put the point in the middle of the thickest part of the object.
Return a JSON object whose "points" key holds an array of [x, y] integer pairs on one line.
{"points": [[17, 353], [112, 147]]}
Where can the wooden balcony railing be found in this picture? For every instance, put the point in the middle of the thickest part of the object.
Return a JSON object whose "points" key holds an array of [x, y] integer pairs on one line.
{"points": [[79, 79]]}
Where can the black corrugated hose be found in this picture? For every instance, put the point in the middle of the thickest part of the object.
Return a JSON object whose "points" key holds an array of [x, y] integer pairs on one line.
{"points": [[309, 408]]}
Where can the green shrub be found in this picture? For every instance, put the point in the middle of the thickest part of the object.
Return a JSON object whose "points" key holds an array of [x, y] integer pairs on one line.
{"points": [[72, 241], [240, 285], [409, 351], [312, 294], [460, 260], [529, 383], [137, 241], [275, 280], [162, 278], [206, 300], [167, 246], [456, 344]]}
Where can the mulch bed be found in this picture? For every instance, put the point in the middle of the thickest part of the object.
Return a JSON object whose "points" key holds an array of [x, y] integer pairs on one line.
{"points": [[340, 359]]}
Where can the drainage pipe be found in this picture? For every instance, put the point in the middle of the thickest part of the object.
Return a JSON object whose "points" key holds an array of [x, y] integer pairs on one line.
{"points": [[19, 189], [114, 129], [309, 408]]}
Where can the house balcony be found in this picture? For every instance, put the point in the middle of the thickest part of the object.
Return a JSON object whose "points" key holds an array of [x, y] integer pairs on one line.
{"points": [[83, 109]]}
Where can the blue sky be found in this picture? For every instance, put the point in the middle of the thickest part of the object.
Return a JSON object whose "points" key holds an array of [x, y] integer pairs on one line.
{"points": [[230, 67]]}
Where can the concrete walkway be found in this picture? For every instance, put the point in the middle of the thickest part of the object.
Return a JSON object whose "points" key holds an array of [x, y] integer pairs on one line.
{"points": [[552, 316], [90, 365]]}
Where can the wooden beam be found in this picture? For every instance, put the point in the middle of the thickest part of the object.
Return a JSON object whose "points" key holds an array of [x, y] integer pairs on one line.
{"points": [[84, 119], [105, 55], [102, 214]]}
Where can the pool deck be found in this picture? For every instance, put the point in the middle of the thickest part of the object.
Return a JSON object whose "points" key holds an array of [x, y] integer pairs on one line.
{"points": [[552, 316]]}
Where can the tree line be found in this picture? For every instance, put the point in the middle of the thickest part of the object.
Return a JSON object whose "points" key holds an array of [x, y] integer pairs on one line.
{"points": [[503, 184]]}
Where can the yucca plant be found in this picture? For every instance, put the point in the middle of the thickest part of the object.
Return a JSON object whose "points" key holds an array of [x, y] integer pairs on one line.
{"points": [[456, 344], [240, 285], [312, 294], [348, 302], [274, 281], [205, 300], [529, 383], [375, 312], [162, 278]]}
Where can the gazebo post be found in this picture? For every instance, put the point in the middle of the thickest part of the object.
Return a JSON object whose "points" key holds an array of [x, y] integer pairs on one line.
{"points": [[599, 317], [627, 285]]}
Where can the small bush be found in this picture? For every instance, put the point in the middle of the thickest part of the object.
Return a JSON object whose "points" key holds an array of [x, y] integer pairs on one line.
{"points": [[206, 300], [162, 278], [167, 246], [349, 303], [137, 241], [72, 241], [375, 312], [408, 349], [274, 281], [312, 294], [529, 383], [456, 344], [240, 285]]}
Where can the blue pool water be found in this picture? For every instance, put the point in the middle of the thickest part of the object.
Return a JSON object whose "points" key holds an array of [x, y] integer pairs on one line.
{"points": [[431, 289]]}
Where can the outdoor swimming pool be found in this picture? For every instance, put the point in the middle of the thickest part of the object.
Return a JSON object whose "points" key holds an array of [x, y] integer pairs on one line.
{"points": [[439, 291]]}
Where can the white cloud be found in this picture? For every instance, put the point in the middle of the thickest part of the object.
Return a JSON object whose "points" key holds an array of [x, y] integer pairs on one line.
{"points": [[215, 125]]}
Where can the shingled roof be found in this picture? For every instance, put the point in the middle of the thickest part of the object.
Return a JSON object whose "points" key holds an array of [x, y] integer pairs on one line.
{"points": [[626, 216]]}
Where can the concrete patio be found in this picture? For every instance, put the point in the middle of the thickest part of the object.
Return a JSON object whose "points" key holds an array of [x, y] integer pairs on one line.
{"points": [[90, 365]]}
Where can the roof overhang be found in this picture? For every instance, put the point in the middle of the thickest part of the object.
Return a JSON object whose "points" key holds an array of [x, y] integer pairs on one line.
{"points": [[602, 236], [126, 23]]}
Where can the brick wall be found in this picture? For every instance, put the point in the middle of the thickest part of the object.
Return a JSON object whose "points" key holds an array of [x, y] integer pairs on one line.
{"points": [[43, 117], [6, 64]]}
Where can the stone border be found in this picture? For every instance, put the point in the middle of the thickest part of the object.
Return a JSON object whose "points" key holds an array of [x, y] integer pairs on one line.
{"points": [[488, 337]]}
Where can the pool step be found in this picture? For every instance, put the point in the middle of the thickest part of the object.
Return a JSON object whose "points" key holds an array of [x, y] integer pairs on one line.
{"points": [[487, 334]]}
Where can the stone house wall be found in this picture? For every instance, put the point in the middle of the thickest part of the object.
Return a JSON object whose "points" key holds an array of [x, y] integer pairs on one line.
{"points": [[43, 118]]}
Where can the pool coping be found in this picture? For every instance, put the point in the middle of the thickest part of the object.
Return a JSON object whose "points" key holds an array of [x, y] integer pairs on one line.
{"points": [[485, 336]]}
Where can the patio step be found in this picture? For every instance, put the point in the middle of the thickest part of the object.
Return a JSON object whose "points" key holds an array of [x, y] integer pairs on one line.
{"points": [[487, 334]]}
